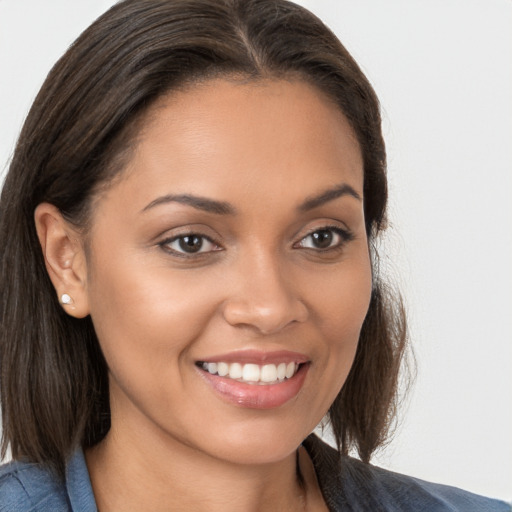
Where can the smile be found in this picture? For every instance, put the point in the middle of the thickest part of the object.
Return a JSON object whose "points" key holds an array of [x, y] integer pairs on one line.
{"points": [[250, 373], [255, 379]]}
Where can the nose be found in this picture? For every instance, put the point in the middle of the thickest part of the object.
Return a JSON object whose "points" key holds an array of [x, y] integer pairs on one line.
{"points": [[263, 298]]}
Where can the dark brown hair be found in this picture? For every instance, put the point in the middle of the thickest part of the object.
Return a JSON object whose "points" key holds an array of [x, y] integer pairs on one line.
{"points": [[53, 380]]}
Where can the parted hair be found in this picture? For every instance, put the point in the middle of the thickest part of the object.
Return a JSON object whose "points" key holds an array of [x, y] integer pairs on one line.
{"points": [[78, 133]]}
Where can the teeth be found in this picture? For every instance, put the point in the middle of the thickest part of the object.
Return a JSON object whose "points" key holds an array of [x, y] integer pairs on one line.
{"points": [[222, 369], [235, 371], [290, 370], [253, 373], [268, 373]]}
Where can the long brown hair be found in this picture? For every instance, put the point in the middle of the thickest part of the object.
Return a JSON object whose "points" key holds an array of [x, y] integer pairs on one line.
{"points": [[53, 380]]}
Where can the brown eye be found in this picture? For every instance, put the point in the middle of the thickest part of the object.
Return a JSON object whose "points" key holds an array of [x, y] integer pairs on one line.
{"points": [[325, 239], [189, 244], [322, 239]]}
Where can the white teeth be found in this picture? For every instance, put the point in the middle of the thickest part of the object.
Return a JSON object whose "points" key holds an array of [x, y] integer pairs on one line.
{"points": [[222, 369], [235, 371], [253, 373], [269, 373], [290, 370]]}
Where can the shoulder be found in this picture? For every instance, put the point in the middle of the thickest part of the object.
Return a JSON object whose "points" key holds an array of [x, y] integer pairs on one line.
{"points": [[354, 485], [414, 494], [27, 487]]}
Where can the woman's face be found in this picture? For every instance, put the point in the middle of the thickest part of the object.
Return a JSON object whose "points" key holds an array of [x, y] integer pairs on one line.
{"points": [[228, 274]]}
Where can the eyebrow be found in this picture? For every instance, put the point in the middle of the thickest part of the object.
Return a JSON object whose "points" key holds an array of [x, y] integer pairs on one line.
{"points": [[225, 208], [200, 203], [328, 195]]}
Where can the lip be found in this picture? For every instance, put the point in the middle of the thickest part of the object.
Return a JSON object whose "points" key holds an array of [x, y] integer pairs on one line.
{"points": [[258, 357], [253, 396]]}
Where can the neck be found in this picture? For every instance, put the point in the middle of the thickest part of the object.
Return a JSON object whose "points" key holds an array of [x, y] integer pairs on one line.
{"points": [[128, 472]]}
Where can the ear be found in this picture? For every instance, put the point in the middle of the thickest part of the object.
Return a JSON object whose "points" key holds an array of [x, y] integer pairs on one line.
{"points": [[64, 257]]}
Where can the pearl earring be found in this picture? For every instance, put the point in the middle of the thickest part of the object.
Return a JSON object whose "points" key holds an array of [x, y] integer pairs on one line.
{"points": [[66, 299]]}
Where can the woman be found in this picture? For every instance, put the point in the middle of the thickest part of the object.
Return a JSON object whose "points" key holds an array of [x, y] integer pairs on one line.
{"points": [[189, 280]]}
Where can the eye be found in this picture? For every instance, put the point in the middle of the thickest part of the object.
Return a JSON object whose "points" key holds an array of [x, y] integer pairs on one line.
{"points": [[189, 244], [329, 237]]}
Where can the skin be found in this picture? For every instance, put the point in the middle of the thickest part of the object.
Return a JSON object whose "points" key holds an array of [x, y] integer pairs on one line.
{"points": [[265, 148]]}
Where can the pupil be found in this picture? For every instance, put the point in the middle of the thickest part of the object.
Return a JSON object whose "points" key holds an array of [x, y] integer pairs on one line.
{"points": [[191, 243], [322, 239]]}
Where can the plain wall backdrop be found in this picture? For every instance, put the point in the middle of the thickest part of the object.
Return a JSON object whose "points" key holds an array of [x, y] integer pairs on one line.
{"points": [[443, 72]]}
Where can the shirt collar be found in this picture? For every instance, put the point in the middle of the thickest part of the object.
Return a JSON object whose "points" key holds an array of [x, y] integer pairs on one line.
{"points": [[78, 484]]}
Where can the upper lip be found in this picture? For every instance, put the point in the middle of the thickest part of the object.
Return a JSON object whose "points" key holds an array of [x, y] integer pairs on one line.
{"points": [[258, 357]]}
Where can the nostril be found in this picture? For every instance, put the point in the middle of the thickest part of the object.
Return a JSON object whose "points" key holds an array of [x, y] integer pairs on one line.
{"points": [[266, 318]]}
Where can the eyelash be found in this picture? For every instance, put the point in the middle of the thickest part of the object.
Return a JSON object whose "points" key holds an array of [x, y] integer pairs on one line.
{"points": [[165, 245], [343, 234]]}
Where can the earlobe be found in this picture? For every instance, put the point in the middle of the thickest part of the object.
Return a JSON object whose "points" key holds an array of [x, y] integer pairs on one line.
{"points": [[64, 259]]}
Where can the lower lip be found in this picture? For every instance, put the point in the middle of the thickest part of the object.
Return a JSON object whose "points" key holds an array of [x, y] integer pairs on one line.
{"points": [[257, 396]]}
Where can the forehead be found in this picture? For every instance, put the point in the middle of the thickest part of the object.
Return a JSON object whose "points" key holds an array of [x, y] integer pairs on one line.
{"points": [[225, 137]]}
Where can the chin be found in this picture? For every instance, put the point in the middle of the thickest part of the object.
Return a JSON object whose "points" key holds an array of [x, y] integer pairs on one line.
{"points": [[258, 444]]}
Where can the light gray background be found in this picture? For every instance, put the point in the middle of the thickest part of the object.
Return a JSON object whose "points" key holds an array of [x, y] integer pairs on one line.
{"points": [[443, 72]]}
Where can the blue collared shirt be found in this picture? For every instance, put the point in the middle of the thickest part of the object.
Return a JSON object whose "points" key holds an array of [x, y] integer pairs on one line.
{"points": [[29, 487], [357, 487]]}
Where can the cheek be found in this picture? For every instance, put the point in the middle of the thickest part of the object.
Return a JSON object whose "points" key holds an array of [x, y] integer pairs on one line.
{"points": [[342, 310], [342, 299], [146, 317]]}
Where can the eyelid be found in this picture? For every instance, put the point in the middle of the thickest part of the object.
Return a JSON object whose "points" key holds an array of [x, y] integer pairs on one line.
{"points": [[165, 243], [345, 234]]}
